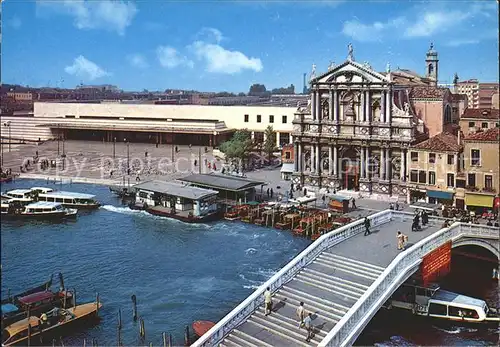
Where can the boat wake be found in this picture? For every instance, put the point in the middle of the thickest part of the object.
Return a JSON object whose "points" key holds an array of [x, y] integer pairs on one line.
{"points": [[455, 330], [122, 210], [251, 251]]}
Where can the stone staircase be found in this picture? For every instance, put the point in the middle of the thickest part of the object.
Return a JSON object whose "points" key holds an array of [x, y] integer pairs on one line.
{"points": [[329, 286]]}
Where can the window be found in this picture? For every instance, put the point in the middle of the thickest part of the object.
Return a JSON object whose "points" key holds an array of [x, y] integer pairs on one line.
{"points": [[283, 119], [450, 180], [271, 119], [422, 177], [484, 125], [451, 159], [497, 125], [472, 124], [488, 181], [414, 176], [437, 309], [460, 183], [288, 155], [432, 177], [475, 157], [432, 158], [246, 118], [471, 178], [414, 156], [259, 118]]}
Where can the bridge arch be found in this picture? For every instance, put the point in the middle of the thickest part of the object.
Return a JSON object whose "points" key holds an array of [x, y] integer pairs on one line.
{"points": [[466, 241]]}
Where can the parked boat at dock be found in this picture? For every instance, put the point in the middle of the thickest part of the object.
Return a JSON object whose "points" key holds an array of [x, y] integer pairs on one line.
{"points": [[433, 302], [80, 201], [37, 210], [35, 330]]}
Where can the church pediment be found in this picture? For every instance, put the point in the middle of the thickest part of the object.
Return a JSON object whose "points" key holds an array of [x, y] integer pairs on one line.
{"points": [[351, 72]]}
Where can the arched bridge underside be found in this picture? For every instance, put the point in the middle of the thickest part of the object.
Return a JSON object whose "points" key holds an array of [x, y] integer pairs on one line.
{"points": [[489, 244], [343, 278]]}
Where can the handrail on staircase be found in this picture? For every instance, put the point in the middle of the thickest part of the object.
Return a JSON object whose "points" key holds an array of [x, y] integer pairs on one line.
{"points": [[252, 303], [348, 328]]}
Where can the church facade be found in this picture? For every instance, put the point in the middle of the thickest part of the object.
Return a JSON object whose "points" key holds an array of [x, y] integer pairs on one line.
{"points": [[358, 126]]}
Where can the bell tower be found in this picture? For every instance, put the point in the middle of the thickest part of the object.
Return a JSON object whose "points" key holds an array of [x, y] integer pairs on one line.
{"points": [[432, 64]]}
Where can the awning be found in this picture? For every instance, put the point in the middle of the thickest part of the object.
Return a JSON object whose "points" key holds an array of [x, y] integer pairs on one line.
{"points": [[288, 167], [438, 194], [479, 200]]}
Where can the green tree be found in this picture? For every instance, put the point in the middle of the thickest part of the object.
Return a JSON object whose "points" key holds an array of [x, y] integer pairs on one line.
{"points": [[257, 90], [269, 142], [239, 147]]}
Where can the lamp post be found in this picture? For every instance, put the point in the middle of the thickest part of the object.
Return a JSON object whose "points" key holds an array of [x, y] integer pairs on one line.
{"points": [[114, 147], [7, 124], [128, 156], [58, 139]]}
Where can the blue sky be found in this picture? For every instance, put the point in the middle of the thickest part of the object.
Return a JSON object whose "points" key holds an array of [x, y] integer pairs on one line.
{"points": [[229, 45]]}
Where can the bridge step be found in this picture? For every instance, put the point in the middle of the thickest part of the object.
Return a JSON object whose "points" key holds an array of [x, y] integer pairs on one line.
{"points": [[238, 341], [351, 265], [296, 338], [345, 268], [336, 285], [328, 270], [312, 304], [294, 322], [345, 296], [292, 328], [245, 336], [354, 263], [327, 316], [304, 292], [337, 279]]}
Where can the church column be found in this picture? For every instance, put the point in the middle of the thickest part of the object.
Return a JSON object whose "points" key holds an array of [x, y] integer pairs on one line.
{"points": [[382, 163], [388, 165], [363, 106], [318, 159], [335, 160], [290, 138], [383, 106], [330, 160], [336, 105], [296, 157], [368, 101], [313, 104], [312, 165], [330, 104], [403, 166], [300, 159], [388, 108], [362, 173], [318, 106], [367, 162]]}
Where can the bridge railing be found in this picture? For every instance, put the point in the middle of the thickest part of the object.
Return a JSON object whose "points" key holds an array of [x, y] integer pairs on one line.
{"points": [[252, 303], [347, 329]]}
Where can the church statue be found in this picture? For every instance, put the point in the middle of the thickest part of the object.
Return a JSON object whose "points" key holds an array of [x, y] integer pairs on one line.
{"points": [[350, 50], [388, 68], [331, 66], [407, 109], [455, 79], [313, 72]]}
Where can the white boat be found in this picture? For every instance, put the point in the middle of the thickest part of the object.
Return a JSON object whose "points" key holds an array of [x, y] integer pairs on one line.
{"points": [[24, 194], [434, 302], [67, 199], [37, 210]]}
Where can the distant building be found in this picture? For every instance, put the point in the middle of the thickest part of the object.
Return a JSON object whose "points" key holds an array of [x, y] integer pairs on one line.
{"points": [[102, 87], [20, 96], [479, 95], [287, 160], [479, 119]]}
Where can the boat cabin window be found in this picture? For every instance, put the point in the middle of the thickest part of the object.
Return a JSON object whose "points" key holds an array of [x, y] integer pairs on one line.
{"points": [[59, 207], [421, 291], [143, 195], [437, 309], [59, 199], [5, 209], [68, 201]]}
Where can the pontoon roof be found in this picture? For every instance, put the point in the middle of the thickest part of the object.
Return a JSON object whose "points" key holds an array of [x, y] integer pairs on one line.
{"points": [[175, 189], [223, 182], [43, 204], [69, 195], [19, 191]]}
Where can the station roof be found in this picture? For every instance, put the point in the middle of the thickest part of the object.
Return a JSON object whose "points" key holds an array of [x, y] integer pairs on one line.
{"points": [[175, 189], [223, 182]]}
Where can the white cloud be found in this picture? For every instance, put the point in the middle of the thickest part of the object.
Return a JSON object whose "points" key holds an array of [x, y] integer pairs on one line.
{"points": [[370, 32], [14, 22], [431, 23], [85, 69], [170, 58], [104, 14], [137, 60], [458, 42], [221, 60], [210, 34]]}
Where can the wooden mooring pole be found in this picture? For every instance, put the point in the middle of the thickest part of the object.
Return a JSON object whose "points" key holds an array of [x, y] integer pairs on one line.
{"points": [[134, 307], [164, 338], [186, 337], [119, 328], [29, 334], [142, 329], [97, 304]]}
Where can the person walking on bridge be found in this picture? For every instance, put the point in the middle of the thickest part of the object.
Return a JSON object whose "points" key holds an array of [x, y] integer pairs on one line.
{"points": [[367, 226], [401, 240], [268, 301], [301, 313], [309, 327]]}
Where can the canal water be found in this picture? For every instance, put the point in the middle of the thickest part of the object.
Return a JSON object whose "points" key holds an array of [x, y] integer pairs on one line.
{"points": [[181, 272]]}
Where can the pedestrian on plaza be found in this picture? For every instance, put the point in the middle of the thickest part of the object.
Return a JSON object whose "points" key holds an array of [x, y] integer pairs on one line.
{"points": [[354, 204], [157, 145], [397, 206], [425, 218], [176, 149], [391, 206], [189, 146], [111, 174], [146, 154], [195, 162], [268, 301], [272, 193], [367, 226], [209, 165], [291, 187], [215, 167], [301, 313], [324, 199], [305, 191], [309, 326], [401, 240]]}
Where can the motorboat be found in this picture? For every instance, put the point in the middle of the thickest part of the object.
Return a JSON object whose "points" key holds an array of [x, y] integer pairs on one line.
{"points": [[36, 210], [434, 302]]}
